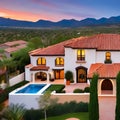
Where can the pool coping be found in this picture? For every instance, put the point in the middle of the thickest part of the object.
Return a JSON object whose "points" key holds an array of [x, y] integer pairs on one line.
{"points": [[38, 93]]}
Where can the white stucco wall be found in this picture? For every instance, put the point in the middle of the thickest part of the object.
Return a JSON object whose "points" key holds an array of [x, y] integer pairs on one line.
{"points": [[27, 74], [17, 79], [71, 60], [100, 56], [50, 61]]}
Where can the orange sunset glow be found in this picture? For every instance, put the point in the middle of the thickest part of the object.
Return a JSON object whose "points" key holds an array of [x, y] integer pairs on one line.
{"points": [[34, 10]]}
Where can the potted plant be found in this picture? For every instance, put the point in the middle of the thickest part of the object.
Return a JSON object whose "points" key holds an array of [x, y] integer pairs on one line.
{"points": [[68, 77]]}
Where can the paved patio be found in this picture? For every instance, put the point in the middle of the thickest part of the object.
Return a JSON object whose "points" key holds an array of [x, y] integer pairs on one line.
{"points": [[107, 107], [71, 87]]}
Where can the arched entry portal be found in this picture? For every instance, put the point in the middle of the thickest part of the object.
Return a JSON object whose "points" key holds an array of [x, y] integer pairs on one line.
{"points": [[107, 87], [81, 74], [41, 75]]}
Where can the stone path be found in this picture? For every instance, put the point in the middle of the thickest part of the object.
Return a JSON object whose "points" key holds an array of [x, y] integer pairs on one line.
{"points": [[107, 107], [72, 119]]}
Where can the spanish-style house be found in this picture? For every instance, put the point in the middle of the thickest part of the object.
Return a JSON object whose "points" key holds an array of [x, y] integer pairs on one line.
{"points": [[84, 56], [13, 46]]}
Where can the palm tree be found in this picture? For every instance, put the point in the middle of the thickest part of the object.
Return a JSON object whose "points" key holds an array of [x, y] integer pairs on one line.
{"points": [[14, 112], [6, 64]]}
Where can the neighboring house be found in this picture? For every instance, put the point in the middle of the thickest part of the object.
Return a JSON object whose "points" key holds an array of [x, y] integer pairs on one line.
{"points": [[84, 56], [10, 47]]}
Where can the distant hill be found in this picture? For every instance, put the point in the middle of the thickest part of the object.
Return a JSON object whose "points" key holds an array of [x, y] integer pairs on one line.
{"points": [[7, 22]]}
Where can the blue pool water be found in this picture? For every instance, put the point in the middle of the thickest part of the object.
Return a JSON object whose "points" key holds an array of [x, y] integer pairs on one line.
{"points": [[32, 88]]}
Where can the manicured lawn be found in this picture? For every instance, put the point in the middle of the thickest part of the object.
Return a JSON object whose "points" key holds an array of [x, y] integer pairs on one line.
{"points": [[57, 87], [81, 116]]}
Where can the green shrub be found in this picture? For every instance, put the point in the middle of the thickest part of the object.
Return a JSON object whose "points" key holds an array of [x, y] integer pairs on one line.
{"points": [[78, 91], [33, 114], [58, 109], [87, 89], [69, 75]]}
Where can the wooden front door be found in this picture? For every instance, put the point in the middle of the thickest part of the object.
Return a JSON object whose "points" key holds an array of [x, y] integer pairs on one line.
{"points": [[81, 75]]}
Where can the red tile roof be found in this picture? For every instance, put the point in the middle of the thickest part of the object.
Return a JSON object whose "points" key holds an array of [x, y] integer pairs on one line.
{"points": [[15, 42], [104, 70], [53, 50], [40, 67], [98, 42], [29, 66], [14, 49]]}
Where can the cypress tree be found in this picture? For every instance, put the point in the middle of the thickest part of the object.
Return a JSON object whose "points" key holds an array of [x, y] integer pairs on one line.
{"points": [[93, 102], [117, 111]]}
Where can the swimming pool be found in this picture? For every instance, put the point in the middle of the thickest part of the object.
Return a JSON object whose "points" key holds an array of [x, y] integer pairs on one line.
{"points": [[28, 95], [32, 88]]}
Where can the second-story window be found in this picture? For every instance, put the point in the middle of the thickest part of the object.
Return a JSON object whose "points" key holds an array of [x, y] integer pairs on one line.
{"points": [[81, 55], [41, 61], [108, 58], [59, 61]]}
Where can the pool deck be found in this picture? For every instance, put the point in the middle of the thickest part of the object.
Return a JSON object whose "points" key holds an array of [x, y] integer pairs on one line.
{"points": [[68, 88]]}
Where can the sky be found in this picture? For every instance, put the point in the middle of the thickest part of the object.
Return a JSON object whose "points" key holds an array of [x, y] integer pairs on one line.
{"points": [[56, 10]]}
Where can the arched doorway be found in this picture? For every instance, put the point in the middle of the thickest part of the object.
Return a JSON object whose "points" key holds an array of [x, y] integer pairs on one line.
{"points": [[106, 87], [81, 74], [41, 76]]}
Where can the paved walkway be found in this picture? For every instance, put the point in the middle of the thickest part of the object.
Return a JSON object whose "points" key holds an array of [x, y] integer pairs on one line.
{"points": [[70, 88], [107, 107]]}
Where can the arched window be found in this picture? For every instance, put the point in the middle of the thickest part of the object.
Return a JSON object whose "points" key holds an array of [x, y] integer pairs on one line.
{"points": [[41, 61], [59, 61], [81, 55], [108, 56]]}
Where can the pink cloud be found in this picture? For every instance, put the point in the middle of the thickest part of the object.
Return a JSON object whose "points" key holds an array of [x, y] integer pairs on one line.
{"points": [[44, 3], [22, 15]]}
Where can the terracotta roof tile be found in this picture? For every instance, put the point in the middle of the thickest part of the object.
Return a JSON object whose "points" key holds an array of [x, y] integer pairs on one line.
{"points": [[98, 42], [57, 49], [14, 49], [104, 70], [40, 67], [15, 42], [29, 66]]}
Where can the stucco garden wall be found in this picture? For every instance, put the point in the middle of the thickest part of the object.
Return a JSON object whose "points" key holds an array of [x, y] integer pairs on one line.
{"points": [[31, 100], [17, 79], [67, 97]]}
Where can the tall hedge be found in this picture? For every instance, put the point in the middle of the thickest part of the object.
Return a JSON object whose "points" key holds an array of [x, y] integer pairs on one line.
{"points": [[93, 102], [117, 111]]}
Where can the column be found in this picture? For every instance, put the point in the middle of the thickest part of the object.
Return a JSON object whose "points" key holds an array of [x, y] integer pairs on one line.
{"points": [[48, 77], [33, 77]]}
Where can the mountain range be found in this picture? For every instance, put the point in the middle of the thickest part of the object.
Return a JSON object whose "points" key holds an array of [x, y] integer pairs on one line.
{"points": [[7, 22]]}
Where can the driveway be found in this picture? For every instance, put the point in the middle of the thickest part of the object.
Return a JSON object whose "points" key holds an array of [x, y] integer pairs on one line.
{"points": [[107, 107]]}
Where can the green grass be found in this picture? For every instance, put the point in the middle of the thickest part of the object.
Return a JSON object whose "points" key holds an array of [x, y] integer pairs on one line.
{"points": [[57, 87], [81, 116]]}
